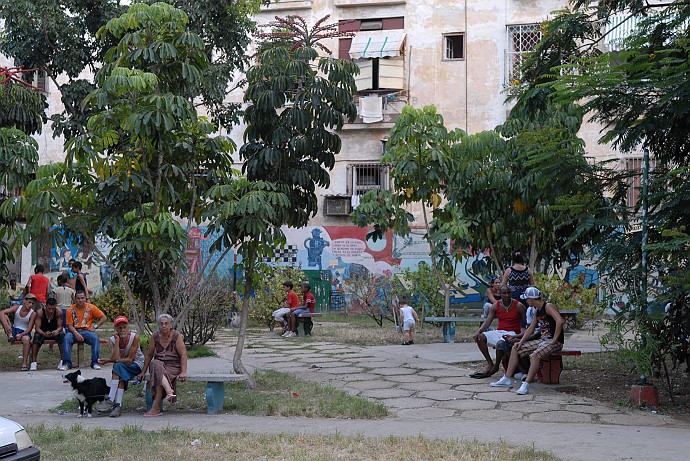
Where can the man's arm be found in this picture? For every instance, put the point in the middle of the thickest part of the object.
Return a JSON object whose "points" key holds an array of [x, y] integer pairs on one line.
{"points": [[487, 322], [60, 321], [553, 312], [38, 326], [4, 319], [528, 333]]}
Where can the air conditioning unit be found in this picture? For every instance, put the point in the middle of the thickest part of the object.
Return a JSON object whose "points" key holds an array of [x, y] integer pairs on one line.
{"points": [[337, 206]]}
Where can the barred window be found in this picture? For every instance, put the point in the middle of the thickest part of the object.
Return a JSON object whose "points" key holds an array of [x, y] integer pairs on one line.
{"points": [[521, 40], [369, 176]]}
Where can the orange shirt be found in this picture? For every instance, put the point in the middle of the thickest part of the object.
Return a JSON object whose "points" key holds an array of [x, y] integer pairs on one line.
{"points": [[83, 321]]}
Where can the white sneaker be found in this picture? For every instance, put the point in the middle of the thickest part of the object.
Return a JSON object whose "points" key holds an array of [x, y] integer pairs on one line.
{"points": [[96, 366], [63, 367], [290, 334], [33, 366], [524, 389], [285, 335], [519, 375], [503, 382], [59, 367]]}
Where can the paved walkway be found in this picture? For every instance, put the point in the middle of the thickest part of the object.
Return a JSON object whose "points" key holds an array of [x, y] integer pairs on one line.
{"points": [[423, 386]]}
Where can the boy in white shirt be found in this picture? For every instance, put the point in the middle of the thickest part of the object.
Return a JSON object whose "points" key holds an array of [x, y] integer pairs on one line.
{"points": [[409, 320]]}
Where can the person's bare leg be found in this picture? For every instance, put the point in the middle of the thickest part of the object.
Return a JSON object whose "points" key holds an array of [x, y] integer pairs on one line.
{"points": [[484, 349], [157, 398], [513, 363], [533, 367], [26, 351], [169, 394]]}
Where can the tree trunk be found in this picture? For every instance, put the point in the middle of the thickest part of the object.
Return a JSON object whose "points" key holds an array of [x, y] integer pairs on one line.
{"points": [[533, 253], [237, 365]]}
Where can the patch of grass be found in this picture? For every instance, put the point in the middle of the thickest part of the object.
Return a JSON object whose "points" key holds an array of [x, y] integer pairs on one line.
{"points": [[200, 350], [276, 394], [128, 445]]}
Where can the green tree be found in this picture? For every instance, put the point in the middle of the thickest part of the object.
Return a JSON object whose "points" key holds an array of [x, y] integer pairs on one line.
{"points": [[297, 100], [420, 153], [60, 38], [21, 115], [146, 158], [637, 93]]}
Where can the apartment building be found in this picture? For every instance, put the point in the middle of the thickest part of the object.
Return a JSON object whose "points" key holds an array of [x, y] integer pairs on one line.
{"points": [[456, 54]]}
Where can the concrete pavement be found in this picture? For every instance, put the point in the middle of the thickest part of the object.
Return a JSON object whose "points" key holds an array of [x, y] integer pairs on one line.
{"points": [[425, 387]]}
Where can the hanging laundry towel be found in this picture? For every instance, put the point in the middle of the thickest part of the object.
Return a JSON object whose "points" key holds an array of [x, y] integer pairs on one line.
{"points": [[371, 109], [354, 201]]}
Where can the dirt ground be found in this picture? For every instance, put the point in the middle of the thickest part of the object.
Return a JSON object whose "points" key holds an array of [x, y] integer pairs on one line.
{"points": [[613, 387]]}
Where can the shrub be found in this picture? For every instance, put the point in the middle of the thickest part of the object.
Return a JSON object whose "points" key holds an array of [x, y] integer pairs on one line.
{"points": [[268, 291], [566, 296], [372, 295], [424, 289], [112, 302], [208, 311]]}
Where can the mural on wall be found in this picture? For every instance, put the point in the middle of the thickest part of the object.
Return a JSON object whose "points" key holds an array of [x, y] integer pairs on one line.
{"points": [[96, 271], [329, 254]]}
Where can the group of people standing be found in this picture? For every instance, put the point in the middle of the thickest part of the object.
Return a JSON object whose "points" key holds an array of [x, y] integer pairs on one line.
{"points": [[528, 327]]}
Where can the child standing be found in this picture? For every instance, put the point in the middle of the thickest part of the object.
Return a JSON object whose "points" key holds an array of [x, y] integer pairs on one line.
{"points": [[409, 320]]}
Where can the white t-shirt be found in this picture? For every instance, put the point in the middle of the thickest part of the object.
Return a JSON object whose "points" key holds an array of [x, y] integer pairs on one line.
{"points": [[407, 313]]}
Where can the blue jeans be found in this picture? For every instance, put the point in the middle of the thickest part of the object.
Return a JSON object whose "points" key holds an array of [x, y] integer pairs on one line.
{"points": [[90, 338]]}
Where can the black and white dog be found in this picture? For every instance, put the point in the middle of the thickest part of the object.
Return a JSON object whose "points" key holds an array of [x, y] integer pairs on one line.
{"points": [[87, 391]]}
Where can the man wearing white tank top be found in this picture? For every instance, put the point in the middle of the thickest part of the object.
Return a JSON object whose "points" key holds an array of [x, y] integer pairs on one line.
{"points": [[20, 329]]}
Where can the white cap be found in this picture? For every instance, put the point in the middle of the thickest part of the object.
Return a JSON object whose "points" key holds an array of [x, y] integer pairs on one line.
{"points": [[531, 293]]}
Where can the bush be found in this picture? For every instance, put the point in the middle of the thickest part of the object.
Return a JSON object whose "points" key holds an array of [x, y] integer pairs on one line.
{"points": [[268, 291], [424, 289], [112, 302], [372, 295], [567, 296], [207, 312]]}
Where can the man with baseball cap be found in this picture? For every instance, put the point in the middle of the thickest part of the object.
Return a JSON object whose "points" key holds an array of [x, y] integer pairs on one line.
{"points": [[550, 324], [127, 360]]}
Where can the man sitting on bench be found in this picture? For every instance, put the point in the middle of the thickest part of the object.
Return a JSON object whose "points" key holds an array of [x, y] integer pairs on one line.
{"points": [[551, 327], [80, 317], [48, 325], [308, 306], [511, 317]]}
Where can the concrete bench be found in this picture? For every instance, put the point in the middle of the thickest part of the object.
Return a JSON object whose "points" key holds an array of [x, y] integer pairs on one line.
{"points": [[448, 325], [305, 324], [551, 367], [52, 342], [215, 389]]}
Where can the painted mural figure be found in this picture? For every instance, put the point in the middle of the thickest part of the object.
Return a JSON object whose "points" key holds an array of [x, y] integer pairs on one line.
{"points": [[315, 245]]}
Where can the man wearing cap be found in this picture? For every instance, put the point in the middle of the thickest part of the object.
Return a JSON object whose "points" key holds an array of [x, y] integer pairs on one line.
{"points": [[79, 321], [511, 318], [127, 360], [48, 325], [550, 324]]}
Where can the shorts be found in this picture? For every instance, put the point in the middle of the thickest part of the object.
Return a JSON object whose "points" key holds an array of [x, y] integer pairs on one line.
{"points": [[39, 339], [494, 336], [408, 325], [126, 371], [538, 349], [301, 311], [17, 331], [279, 314]]}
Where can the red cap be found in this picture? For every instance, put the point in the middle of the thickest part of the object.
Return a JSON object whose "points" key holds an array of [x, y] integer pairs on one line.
{"points": [[120, 319]]}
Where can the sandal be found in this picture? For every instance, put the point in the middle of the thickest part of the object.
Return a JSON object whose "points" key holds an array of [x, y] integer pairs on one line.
{"points": [[25, 368], [481, 375], [151, 415], [170, 397]]}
